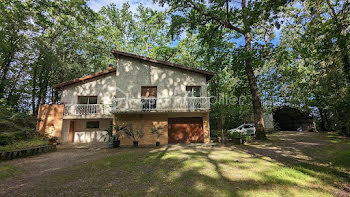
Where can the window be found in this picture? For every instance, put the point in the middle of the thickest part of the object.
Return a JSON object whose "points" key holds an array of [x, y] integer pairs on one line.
{"points": [[92, 124], [193, 91], [149, 97], [87, 99], [247, 126]]}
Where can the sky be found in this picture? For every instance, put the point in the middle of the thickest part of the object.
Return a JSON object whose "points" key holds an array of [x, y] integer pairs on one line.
{"points": [[96, 5]]}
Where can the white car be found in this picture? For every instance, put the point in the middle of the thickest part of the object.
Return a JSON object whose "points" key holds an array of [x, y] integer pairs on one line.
{"points": [[244, 129]]}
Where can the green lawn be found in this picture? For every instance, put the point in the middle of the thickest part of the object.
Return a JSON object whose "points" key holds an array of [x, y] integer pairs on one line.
{"points": [[36, 141], [289, 164]]}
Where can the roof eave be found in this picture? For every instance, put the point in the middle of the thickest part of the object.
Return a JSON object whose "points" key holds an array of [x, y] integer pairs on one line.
{"points": [[82, 79], [209, 75]]}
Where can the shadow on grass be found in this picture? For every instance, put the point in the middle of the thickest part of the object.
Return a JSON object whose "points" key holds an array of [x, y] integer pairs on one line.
{"points": [[330, 165], [196, 171], [199, 183]]}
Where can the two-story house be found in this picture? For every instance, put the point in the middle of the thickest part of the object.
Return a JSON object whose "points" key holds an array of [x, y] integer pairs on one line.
{"points": [[140, 91]]}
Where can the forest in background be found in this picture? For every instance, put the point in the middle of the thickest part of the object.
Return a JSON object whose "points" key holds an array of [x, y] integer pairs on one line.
{"points": [[299, 52]]}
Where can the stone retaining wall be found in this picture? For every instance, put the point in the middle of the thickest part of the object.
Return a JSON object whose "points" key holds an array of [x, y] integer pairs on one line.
{"points": [[7, 155]]}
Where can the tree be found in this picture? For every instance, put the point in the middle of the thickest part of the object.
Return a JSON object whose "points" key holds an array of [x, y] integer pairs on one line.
{"points": [[308, 69], [143, 32], [246, 19], [13, 24]]}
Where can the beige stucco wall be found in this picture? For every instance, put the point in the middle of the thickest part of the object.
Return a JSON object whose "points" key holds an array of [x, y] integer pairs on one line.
{"points": [[132, 74], [65, 130], [104, 88], [83, 134]]}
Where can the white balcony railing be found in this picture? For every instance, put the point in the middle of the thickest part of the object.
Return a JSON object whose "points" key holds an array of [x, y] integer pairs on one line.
{"points": [[164, 104], [87, 109], [161, 104]]}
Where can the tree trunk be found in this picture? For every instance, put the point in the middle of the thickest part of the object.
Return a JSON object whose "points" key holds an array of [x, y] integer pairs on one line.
{"points": [[6, 68], [45, 85], [34, 88], [13, 96], [253, 86], [222, 122], [40, 94], [323, 120]]}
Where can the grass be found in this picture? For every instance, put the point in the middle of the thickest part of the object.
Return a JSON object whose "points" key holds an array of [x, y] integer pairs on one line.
{"points": [[7, 171], [36, 141], [289, 164]]}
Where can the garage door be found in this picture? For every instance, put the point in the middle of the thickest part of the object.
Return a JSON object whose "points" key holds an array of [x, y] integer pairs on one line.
{"points": [[185, 130]]}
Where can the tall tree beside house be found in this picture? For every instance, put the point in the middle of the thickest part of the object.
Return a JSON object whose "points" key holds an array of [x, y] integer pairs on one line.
{"points": [[252, 20], [151, 31], [227, 86], [43, 44], [115, 27], [59, 46], [143, 32], [65, 40], [309, 69], [13, 45]]}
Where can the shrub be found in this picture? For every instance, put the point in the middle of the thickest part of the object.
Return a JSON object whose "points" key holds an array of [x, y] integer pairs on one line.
{"points": [[215, 133], [135, 135], [14, 121], [247, 137], [109, 133], [234, 135], [53, 139], [7, 138], [156, 131]]}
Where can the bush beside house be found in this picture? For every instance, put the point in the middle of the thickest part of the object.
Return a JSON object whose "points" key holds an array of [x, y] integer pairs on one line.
{"points": [[17, 130]]}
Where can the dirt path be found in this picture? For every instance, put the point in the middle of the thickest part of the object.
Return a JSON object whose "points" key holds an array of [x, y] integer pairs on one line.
{"points": [[34, 168]]}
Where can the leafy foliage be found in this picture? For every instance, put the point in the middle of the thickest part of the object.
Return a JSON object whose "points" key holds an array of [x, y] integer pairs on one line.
{"points": [[134, 134], [110, 136], [156, 131], [308, 70]]}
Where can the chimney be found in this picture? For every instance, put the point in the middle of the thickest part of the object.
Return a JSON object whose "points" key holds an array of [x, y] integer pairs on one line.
{"points": [[110, 66]]}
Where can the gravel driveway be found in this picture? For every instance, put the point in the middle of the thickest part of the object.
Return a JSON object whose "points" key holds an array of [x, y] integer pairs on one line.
{"points": [[34, 168]]}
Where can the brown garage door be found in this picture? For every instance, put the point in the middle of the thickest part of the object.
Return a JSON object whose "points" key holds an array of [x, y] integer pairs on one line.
{"points": [[185, 130]]}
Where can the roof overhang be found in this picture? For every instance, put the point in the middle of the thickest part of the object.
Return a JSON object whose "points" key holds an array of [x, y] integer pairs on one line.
{"points": [[208, 74], [85, 78], [117, 54]]}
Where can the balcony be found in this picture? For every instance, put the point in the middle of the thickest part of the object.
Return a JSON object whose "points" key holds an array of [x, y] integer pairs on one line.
{"points": [[163, 104], [87, 111], [132, 105]]}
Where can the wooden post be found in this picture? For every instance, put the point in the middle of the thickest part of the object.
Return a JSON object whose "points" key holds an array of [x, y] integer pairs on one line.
{"points": [[114, 124], [71, 131]]}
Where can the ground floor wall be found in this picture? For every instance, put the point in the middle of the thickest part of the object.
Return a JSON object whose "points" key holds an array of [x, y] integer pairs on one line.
{"points": [[49, 120], [144, 122], [75, 130], [78, 132], [147, 121]]}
